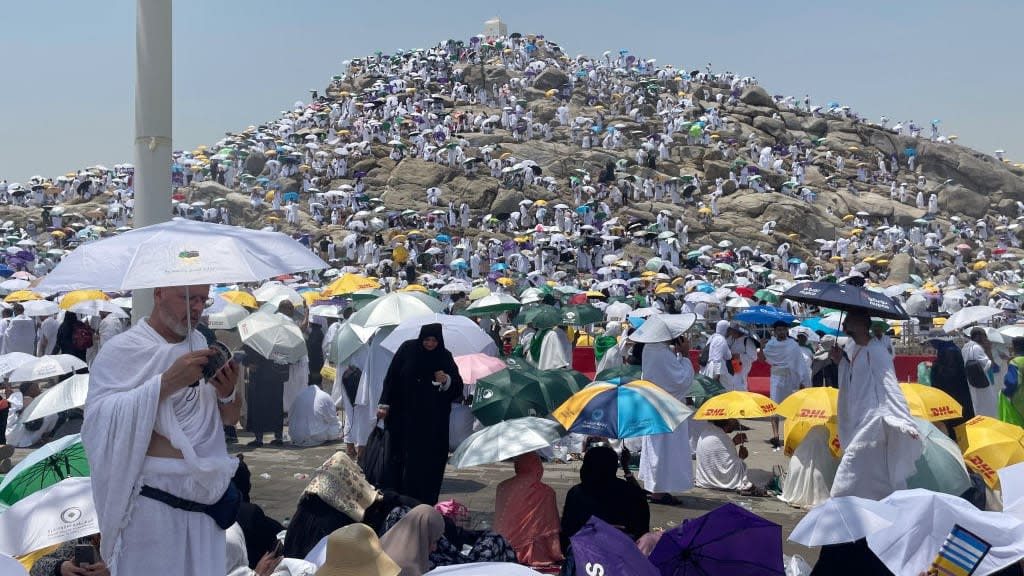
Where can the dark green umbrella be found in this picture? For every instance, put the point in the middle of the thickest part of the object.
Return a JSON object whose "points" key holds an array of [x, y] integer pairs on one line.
{"points": [[581, 314], [623, 374], [522, 390], [704, 388], [542, 316]]}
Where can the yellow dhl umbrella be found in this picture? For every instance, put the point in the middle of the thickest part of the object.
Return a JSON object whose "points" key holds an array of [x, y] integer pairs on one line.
{"points": [[348, 283], [986, 284], [541, 203], [243, 299], [815, 404], [667, 289], [979, 265], [938, 321], [595, 294], [648, 274], [505, 156], [848, 217], [836, 258], [273, 219], [311, 297], [72, 298], [792, 235], [414, 288], [882, 262], [328, 373], [58, 234], [795, 431], [400, 254], [520, 239], [704, 210], [856, 231], [551, 93], [930, 403], [398, 238], [736, 404], [990, 445], [22, 296], [269, 196], [504, 281]]}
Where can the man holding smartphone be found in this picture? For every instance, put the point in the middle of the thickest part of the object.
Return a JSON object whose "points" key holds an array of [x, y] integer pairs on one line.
{"points": [[154, 436]]}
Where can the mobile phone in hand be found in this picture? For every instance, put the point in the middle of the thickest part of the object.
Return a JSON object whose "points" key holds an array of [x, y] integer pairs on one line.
{"points": [[85, 554]]}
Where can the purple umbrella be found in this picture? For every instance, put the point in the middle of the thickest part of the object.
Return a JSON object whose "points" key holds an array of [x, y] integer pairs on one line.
{"points": [[600, 548], [727, 540]]}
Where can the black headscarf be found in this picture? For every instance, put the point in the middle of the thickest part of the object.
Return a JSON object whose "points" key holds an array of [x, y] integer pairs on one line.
{"points": [[600, 493]]}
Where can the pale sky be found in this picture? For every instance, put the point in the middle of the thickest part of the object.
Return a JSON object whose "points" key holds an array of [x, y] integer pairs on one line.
{"points": [[67, 66]]}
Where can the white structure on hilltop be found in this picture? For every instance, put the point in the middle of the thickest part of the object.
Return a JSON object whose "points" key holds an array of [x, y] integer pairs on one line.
{"points": [[495, 28]]}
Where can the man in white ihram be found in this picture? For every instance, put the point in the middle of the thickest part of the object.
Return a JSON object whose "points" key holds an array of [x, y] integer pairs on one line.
{"points": [[156, 444]]}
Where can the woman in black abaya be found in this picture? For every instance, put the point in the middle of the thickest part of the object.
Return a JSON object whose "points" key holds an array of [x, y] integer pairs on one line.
{"points": [[416, 402], [949, 375]]}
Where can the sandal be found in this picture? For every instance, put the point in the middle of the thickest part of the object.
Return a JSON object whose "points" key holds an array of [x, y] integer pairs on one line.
{"points": [[666, 500]]}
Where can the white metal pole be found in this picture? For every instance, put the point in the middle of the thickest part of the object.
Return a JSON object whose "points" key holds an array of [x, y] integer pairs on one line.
{"points": [[153, 118]]}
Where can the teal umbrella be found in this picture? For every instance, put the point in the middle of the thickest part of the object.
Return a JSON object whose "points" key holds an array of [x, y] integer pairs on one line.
{"points": [[767, 296], [522, 390], [542, 316], [940, 468], [60, 459], [704, 388], [619, 374], [581, 314]]}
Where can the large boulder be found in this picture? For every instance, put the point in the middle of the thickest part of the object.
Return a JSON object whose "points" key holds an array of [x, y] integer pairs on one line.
{"points": [[901, 266], [478, 192], [954, 199], [506, 200], [417, 173], [756, 96], [773, 126], [550, 78], [495, 75]]}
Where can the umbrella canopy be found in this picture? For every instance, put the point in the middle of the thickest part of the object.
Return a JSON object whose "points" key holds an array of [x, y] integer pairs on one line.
{"points": [[663, 327], [480, 569], [67, 394], [727, 540], [846, 297], [989, 445], [79, 296], [227, 317], [394, 308], [349, 339], [523, 390], [37, 308], [736, 404], [327, 311], [623, 410], [46, 367], [493, 304], [348, 283], [180, 253], [542, 316], [764, 315], [473, 367], [930, 403], [461, 335], [815, 404], [925, 519], [767, 296], [62, 512], [45, 466], [241, 298], [940, 467], [703, 388], [609, 551], [843, 519], [273, 336], [12, 360], [581, 314], [829, 324], [969, 316], [505, 440]]}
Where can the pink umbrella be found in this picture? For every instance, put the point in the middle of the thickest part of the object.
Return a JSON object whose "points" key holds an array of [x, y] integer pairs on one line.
{"points": [[473, 367]]}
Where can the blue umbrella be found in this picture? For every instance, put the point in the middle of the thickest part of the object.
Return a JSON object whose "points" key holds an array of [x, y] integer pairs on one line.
{"points": [[818, 325], [290, 197], [499, 267], [727, 540], [263, 180], [443, 238], [604, 549], [5, 271], [795, 260], [764, 315], [705, 288], [583, 209]]}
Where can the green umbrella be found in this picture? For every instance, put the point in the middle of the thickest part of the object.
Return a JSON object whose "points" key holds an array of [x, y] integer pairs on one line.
{"points": [[704, 388], [767, 296], [492, 304], [581, 314], [60, 459], [623, 374], [522, 390], [542, 316], [940, 468]]}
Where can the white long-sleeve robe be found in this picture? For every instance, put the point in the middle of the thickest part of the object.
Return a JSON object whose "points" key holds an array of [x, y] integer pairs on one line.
{"points": [[719, 467], [985, 400], [312, 418], [876, 431], [790, 369], [124, 409], [811, 471], [665, 463]]}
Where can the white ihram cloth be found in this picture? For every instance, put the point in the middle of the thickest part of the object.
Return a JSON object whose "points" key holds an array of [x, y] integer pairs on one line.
{"points": [[124, 411], [745, 348], [378, 360], [985, 400], [790, 369], [875, 426], [298, 380], [719, 356], [312, 418], [20, 335], [555, 350], [718, 464], [811, 471], [665, 463]]}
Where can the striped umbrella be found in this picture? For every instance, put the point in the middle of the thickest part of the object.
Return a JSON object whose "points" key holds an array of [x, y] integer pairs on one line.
{"points": [[634, 408]]}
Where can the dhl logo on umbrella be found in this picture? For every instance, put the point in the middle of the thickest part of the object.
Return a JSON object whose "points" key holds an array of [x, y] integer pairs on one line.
{"points": [[812, 413], [942, 411], [981, 467], [715, 412]]}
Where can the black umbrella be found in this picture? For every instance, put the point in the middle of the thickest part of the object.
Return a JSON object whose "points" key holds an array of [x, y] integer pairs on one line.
{"points": [[846, 297]]}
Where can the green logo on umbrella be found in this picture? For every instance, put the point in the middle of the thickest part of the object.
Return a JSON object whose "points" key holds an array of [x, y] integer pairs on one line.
{"points": [[188, 254]]}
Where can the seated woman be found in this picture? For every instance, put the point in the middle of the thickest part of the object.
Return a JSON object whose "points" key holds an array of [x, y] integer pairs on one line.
{"points": [[338, 495], [812, 467], [719, 464], [526, 513], [600, 493], [410, 541]]}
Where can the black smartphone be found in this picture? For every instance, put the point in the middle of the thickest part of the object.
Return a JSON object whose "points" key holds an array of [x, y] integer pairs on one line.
{"points": [[85, 554], [279, 549]]}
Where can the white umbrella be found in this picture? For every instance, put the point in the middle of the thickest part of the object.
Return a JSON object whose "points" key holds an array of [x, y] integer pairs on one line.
{"points": [[67, 394], [58, 513], [970, 315], [349, 339], [843, 519], [327, 311], [227, 317], [1011, 479], [46, 367], [40, 308], [12, 360], [95, 307], [11, 567], [739, 302], [1012, 331], [811, 335], [925, 520], [461, 334], [272, 290], [617, 311], [506, 440], [13, 285], [180, 253], [644, 312], [484, 569], [273, 336], [698, 297], [122, 302], [663, 327], [454, 287], [395, 307]]}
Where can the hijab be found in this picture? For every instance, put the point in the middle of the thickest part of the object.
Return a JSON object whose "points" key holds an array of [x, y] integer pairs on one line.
{"points": [[410, 541]]}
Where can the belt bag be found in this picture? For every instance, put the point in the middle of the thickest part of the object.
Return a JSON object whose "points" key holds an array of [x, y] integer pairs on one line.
{"points": [[223, 511]]}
